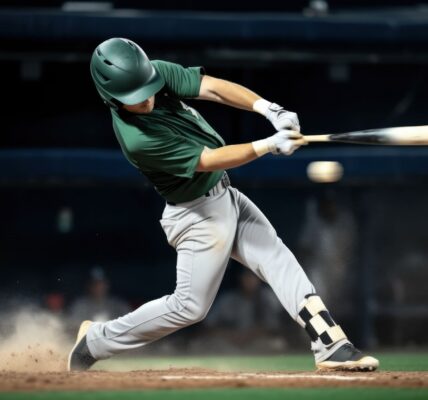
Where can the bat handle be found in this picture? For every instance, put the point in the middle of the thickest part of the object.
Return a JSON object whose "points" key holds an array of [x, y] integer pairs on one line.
{"points": [[317, 138]]}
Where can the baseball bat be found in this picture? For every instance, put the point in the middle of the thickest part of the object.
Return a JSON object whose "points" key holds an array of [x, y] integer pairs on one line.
{"points": [[400, 136]]}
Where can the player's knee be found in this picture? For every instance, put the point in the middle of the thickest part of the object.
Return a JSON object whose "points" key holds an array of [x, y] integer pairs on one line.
{"points": [[197, 312], [189, 311]]}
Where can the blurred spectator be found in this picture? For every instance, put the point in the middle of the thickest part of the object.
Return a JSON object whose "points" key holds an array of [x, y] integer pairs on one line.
{"points": [[55, 302], [97, 304], [249, 317], [402, 301], [327, 244]]}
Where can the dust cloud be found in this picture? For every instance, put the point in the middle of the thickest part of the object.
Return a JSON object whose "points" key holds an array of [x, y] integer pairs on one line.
{"points": [[35, 342]]}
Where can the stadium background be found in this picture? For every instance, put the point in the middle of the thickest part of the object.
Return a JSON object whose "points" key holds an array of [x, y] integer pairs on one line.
{"points": [[69, 200]]}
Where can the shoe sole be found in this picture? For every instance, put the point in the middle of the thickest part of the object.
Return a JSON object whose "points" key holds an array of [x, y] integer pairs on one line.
{"points": [[84, 326], [365, 364]]}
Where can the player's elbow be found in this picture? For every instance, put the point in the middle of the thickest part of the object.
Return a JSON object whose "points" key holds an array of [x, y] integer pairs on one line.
{"points": [[206, 161], [209, 89]]}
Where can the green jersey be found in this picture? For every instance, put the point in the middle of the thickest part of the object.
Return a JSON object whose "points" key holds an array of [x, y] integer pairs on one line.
{"points": [[166, 144]]}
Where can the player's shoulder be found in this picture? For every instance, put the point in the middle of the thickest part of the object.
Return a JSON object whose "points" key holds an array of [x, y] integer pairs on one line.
{"points": [[137, 134], [135, 124], [164, 66], [120, 124], [171, 69], [127, 133], [161, 63]]}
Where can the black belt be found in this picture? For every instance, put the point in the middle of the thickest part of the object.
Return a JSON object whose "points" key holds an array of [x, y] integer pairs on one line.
{"points": [[224, 182]]}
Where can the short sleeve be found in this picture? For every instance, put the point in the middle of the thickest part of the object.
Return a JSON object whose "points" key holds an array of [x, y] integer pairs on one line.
{"points": [[180, 81], [166, 152]]}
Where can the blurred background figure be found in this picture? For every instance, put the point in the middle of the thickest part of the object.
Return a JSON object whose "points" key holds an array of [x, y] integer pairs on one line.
{"points": [[97, 304], [327, 246], [54, 302], [248, 317]]}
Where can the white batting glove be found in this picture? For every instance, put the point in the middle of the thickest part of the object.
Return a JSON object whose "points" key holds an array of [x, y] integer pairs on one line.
{"points": [[282, 119], [283, 142], [279, 118]]}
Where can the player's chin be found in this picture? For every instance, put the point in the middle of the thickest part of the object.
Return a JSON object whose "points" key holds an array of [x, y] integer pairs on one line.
{"points": [[146, 110]]}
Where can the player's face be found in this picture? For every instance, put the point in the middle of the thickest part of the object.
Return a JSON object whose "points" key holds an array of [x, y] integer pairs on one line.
{"points": [[145, 107]]}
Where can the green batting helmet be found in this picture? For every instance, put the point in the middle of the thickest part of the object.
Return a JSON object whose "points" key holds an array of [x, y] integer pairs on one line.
{"points": [[123, 73]]}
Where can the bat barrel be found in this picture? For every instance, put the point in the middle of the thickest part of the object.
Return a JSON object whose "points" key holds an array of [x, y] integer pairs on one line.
{"points": [[362, 137], [401, 136]]}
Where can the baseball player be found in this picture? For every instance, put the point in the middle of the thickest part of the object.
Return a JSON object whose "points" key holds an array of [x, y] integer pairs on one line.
{"points": [[205, 219]]}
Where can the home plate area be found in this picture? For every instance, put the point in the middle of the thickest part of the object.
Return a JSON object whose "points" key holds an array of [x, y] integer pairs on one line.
{"points": [[177, 378]]}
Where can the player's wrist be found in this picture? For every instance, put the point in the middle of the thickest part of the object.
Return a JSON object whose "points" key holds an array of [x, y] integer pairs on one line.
{"points": [[261, 106], [262, 147]]}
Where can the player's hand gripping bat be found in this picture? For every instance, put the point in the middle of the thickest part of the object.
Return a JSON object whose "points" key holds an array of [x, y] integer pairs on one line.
{"points": [[400, 136]]}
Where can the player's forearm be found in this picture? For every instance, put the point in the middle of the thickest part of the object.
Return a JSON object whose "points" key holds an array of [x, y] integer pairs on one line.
{"points": [[226, 157], [238, 96], [283, 142], [229, 93]]}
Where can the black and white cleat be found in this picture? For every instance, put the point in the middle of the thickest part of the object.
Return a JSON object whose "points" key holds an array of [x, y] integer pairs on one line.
{"points": [[348, 358]]}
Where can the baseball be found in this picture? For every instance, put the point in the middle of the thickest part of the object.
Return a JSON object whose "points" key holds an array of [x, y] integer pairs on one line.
{"points": [[325, 171]]}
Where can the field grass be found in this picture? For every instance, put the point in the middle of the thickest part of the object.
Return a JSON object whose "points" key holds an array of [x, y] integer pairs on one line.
{"points": [[232, 394], [389, 362]]}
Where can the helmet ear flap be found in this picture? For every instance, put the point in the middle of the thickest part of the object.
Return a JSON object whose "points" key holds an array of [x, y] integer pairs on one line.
{"points": [[113, 103], [108, 104]]}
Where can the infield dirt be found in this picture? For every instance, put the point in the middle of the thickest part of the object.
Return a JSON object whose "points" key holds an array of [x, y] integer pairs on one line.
{"points": [[175, 378], [33, 357]]}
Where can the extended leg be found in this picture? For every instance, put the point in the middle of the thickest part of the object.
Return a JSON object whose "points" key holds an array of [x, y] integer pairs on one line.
{"points": [[258, 247]]}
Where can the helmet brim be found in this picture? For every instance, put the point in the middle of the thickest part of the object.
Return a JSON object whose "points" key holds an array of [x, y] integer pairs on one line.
{"points": [[143, 93]]}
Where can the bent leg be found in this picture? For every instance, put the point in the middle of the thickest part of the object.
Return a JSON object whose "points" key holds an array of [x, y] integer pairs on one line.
{"points": [[203, 245]]}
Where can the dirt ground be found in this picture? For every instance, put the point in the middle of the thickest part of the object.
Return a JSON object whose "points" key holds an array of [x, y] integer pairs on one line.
{"points": [[201, 378], [38, 343]]}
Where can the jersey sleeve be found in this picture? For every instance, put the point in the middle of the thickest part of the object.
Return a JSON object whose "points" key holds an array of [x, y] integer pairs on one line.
{"points": [[164, 151], [180, 81]]}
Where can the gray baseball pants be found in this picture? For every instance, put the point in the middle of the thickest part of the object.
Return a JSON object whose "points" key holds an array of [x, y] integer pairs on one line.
{"points": [[206, 232]]}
